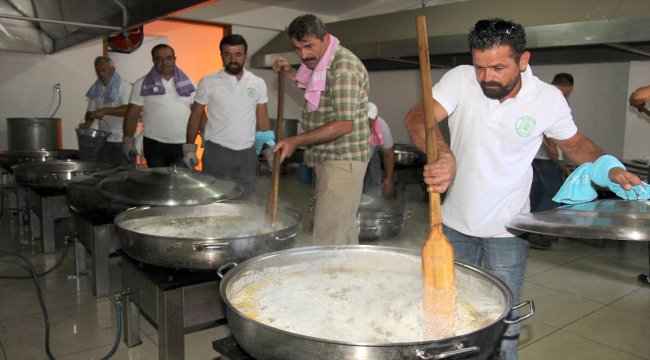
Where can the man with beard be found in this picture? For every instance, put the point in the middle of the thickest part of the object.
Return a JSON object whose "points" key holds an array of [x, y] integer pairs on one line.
{"points": [[498, 114], [163, 96], [236, 101], [335, 121], [107, 101]]}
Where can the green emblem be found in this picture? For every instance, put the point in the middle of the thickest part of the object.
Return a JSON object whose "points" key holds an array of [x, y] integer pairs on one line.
{"points": [[250, 92], [525, 126]]}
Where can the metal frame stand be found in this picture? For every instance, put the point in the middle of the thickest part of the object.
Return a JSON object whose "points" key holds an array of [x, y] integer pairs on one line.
{"points": [[44, 210], [172, 309]]}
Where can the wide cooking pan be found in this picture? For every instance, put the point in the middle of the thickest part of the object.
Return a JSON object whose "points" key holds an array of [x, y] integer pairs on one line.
{"points": [[52, 175], [86, 198], [262, 340], [203, 237], [14, 157]]}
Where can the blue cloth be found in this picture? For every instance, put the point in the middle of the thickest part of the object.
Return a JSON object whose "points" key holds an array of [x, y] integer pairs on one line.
{"points": [[112, 89], [264, 137], [578, 186]]}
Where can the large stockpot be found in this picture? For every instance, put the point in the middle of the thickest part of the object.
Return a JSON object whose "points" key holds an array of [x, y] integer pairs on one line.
{"points": [[263, 341], [34, 133], [408, 155], [203, 237], [52, 175]]}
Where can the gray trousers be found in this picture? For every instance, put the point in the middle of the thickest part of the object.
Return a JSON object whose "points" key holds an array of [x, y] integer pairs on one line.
{"points": [[237, 165]]}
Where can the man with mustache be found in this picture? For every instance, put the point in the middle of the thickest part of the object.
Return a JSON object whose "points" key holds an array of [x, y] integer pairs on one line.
{"points": [[498, 114], [336, 127], [236, 101], [108, 98], [163, 97]]}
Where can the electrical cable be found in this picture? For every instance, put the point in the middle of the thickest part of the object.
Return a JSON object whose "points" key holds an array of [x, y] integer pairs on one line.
{"points": [[34, 277], [56, 265], [40, 298], [58, 90]]}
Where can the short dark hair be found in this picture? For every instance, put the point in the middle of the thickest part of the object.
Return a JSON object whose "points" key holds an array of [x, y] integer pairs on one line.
{"points": [[562, 79], [161, 46], [490, 33], [232, 40], [306, 25]]}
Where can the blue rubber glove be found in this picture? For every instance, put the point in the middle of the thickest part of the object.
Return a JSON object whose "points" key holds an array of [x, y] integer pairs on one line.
{"points": [[264, 137]]}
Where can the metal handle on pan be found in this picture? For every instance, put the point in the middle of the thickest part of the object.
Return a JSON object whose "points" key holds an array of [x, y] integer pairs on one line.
{"points": [[283, 238], [223, 269], [524, 317], [210, 246], [459, 351]]}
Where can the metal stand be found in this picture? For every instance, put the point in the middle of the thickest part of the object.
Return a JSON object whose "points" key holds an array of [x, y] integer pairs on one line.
{"points": [[101, 240], [44, 210], [173, 300]]}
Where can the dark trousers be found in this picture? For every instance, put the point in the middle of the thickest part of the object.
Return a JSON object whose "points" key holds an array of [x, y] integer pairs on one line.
{"points": [[159, 154], [112, 153], [547, 181], [237, 165]]}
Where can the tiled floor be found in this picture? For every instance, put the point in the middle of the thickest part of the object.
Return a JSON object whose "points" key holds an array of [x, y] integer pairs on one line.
{"points": [[588, 301]]}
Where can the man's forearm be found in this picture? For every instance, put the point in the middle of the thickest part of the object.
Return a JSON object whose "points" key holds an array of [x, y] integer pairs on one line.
{"points": [[326, 133]]}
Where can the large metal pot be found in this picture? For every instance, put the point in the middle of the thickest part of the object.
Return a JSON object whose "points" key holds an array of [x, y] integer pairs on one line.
{"points": [[8, 159], [381, 218], [408, 155], [52, 175], [33, 133], [263, 341], [203, 237], [85, 197]]}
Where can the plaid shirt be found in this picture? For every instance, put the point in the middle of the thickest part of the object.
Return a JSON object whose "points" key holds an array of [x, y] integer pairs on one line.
{"points": [[345, 98]]}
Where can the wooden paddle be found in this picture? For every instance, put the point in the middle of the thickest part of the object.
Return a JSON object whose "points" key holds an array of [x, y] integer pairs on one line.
{"points": [[439, 286], [272, 201]]}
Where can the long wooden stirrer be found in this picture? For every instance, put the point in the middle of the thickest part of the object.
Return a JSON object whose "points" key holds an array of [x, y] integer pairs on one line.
{"points": [[439, 285], [272, 201]]}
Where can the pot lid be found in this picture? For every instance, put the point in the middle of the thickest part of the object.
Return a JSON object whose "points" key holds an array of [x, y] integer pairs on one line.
{"points": [[167, 186], [91, 180], [601, 219]]}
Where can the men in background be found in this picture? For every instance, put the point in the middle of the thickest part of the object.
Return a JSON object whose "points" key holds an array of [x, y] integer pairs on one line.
{"points": [[164, 97], [236, 101], [107, 102], [380, 139], [638, 98], [335, 120], [549, 172], [498, 113]]}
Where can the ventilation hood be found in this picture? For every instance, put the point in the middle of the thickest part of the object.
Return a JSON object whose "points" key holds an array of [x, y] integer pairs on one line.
{"points": [[558, 32], [47, 26]]}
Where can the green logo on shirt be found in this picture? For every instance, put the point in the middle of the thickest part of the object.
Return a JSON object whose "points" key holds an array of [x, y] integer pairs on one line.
{"points": [[525, 126], [250, 91]]}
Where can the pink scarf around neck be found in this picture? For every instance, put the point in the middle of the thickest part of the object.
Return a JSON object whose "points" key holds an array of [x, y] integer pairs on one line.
{"points": [[313, 81]]}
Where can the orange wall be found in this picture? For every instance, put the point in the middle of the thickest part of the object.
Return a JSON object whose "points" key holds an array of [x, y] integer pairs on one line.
{"points": [[196, 45]]}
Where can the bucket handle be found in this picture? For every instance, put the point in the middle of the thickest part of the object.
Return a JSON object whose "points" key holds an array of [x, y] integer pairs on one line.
{"points": [[99, 121], [460, 350], [530, 303]]}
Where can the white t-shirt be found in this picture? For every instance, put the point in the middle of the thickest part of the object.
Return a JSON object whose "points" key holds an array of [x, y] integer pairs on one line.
{"points": [[164, 117], [494, 144], [111, 123], [232, 107]]}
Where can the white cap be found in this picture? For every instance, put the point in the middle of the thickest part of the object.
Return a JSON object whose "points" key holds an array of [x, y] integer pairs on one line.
{"points": [[372, 111]]}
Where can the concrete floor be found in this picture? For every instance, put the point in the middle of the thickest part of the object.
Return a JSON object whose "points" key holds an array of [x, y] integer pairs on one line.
{"points": [[588, 301]]}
